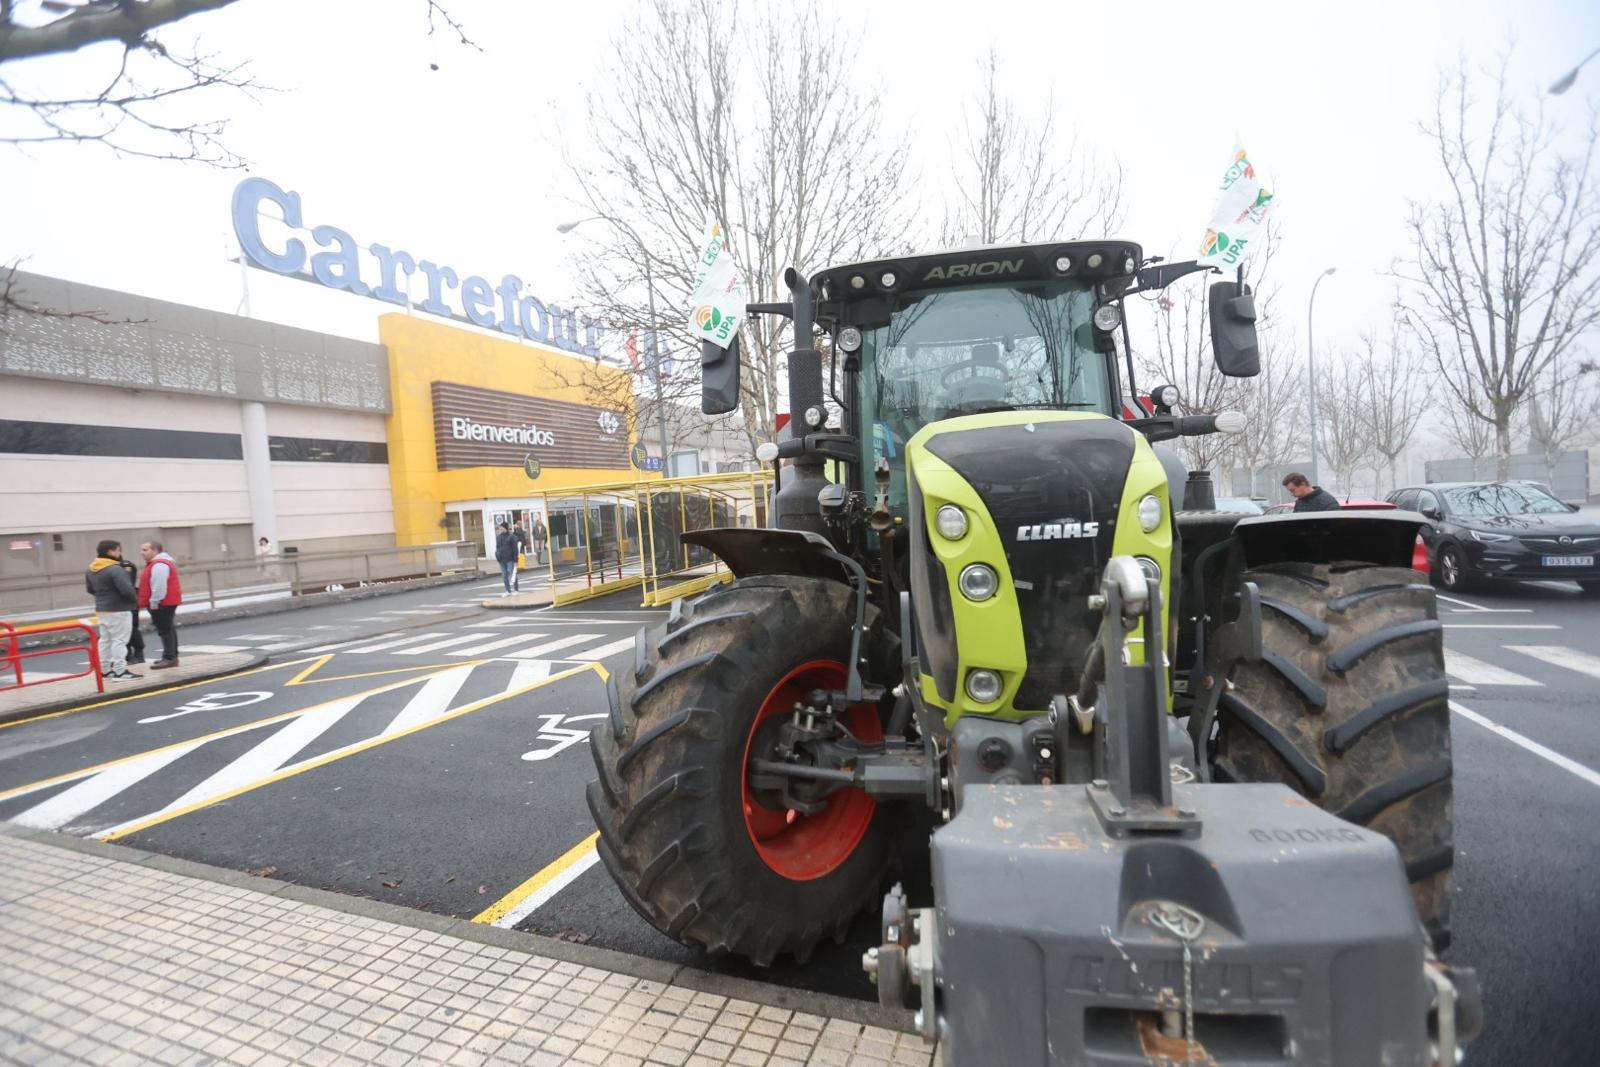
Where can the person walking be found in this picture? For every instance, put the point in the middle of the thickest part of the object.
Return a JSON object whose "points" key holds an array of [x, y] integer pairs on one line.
{"points": [[136, 639], [522, 550], [505, 553], [541, 536], [161, 591], [1308, 497], [115, 601]]}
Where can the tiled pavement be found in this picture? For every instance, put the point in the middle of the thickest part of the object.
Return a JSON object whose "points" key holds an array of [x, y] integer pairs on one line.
{"points": [[104, 960]]}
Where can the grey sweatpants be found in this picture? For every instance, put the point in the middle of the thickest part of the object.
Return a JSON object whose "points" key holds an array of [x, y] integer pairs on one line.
{"points": [[115, 629]]}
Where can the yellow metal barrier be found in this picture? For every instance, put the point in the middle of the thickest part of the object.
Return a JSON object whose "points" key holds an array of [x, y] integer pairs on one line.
{"points": [[617, 535]]}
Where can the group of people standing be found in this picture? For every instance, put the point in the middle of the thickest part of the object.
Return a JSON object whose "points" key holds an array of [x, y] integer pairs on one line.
{"points": [[121, 590], [511, 544]]}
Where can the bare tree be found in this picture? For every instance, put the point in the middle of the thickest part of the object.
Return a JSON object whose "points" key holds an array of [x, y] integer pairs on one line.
{"points": [[1395, 388], [1022, 179], [1503, 271], [1342, 410], [761, 124], [137, 99], [1471, 436], [1563, 411], [1274, 402]]}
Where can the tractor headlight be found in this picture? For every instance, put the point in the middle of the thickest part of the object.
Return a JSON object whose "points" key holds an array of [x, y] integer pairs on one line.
{"points": [[983, 686], [978, 581], [1107, 317], [1150, 512], [849, 339], [952, 522], [1152, 569]]}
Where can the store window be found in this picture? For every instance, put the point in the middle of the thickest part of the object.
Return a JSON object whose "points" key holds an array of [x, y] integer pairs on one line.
{"points": [[685, 464]]}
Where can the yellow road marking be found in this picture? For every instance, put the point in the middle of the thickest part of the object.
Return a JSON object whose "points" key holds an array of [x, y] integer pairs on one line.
{"points": [[494, 912], [204, 738], [338, 754], [304, 677], [154, 692]]}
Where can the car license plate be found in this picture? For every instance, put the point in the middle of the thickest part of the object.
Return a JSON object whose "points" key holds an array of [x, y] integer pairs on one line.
{"points": [[1569, 561]]}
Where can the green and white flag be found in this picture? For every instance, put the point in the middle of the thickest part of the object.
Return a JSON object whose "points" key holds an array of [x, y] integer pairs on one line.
{"points": [[719, 295], [1242, 206]]}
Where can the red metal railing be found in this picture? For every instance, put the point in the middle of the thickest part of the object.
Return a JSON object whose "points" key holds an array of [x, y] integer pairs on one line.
{"points": [[13, 655]]}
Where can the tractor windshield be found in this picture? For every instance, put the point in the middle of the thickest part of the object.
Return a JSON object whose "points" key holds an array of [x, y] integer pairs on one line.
{"points": [[957, 352]]}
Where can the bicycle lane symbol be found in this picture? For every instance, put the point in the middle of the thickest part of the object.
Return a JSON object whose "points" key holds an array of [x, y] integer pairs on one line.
{"points": [[561, 737], [212, 702]]}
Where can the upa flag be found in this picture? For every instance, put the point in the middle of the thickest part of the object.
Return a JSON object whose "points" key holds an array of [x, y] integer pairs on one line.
{"points": [[1242, 206], [718, 302]]}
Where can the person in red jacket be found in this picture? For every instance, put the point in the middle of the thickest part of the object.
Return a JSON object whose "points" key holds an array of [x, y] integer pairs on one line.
{"points": [[161, 592]]}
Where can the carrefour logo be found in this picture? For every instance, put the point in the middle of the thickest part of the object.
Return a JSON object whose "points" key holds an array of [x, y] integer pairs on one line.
{"points": [[464, 429], [609, 423]]}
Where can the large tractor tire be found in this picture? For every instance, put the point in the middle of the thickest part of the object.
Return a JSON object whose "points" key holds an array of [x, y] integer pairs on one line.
{"points": [[690, 846], [1350, 707]]}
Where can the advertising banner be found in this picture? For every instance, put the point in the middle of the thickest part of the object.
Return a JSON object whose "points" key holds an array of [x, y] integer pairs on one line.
{"points": [[717, 305], [474, 427], [1241, 209]]}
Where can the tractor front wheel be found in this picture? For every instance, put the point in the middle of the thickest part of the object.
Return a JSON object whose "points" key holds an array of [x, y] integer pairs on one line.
{"points": [[692, 848], [1350, 707]]}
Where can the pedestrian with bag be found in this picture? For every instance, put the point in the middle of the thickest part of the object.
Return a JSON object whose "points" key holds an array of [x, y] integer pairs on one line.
{"points": [[160, 592], [115, 602], [505, 554], [136, 639]]}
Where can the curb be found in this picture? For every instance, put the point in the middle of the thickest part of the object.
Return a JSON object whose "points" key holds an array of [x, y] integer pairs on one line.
{"points": [[505, 603], [256, 659], [825, 1004]]}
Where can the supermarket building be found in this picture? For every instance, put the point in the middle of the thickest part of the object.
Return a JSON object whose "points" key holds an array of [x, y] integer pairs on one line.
{"points": [[130, 418]]}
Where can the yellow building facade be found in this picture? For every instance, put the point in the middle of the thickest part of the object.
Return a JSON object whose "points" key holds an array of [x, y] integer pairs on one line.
{"points": [[479, 424]]}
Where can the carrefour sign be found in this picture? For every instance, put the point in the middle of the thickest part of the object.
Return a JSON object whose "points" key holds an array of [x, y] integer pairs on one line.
{"points": [[386, 274]]}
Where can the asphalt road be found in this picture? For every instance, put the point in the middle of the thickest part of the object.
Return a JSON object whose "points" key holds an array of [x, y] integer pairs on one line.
{"points": [[423, 751]]}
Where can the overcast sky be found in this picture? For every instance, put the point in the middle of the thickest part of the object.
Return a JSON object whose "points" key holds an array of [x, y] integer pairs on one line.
{"points": [[462, 165]]}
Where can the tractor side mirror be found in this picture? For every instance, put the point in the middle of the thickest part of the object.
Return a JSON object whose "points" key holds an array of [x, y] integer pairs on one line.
{"points": [[1233, 330], [719, 377]]}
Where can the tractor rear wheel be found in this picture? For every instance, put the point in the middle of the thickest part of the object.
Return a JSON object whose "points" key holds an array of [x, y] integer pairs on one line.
{"points": [[1350, 707], [692, 849]]}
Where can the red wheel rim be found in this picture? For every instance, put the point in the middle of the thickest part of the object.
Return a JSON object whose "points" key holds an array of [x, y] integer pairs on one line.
{"points": [[802, 847]]}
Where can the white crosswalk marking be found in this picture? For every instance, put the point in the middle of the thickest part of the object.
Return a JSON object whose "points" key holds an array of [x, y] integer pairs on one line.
{"points": [[415, 611], [433, 646], [214, 648], [1570, 658], [434, 696], [602, 651], [529, 671], [65, 806], [490, 646], [394, 643], [262, 637], [1476, 672], [550, 646]]}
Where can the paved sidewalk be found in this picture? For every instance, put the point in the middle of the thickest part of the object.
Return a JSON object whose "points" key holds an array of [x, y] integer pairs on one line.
{"points": [[106, 960], [32, 700]]}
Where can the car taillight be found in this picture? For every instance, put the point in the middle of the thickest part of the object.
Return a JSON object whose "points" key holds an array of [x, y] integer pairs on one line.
{"points": [[1419, 556]]}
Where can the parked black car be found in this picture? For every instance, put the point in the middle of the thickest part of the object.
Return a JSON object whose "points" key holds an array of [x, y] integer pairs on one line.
{"points": [[1503, 530]]}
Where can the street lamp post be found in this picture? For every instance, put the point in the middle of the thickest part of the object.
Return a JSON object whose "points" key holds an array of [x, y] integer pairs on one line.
{"points": [[1311, 371], [1565, 81], [655, 336]]}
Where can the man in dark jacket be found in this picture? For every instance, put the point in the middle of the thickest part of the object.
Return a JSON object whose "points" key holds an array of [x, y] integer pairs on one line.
{"points": [[136, 636], [1308, 497], [115, 602], [505, 553]]}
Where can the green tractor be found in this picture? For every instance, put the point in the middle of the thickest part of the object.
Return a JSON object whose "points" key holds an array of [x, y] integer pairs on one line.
{"points": [[1144, 781]]}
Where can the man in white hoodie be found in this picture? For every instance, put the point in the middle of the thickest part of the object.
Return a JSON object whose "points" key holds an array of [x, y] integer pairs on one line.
{"points": [[161, 592]]}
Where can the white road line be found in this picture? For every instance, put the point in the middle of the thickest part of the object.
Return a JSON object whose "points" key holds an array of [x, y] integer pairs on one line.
{"points": [[396, 643], [1500, 626], [1569, 765], [602, 651], [416, 611], [214, 648], [62, 808], [1477, 672], [546, 620], [489, 646], [261, 637], [268, 755], [544, 893], [1463, 603], [1570, 658], [528, 671], [279, 646], [434, 696], [431, 646], [550, 646]]}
